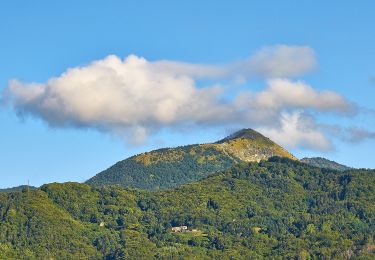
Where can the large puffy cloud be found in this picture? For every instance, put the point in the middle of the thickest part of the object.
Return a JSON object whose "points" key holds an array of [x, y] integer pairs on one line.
{"points": [[134, 97], [112, 94], [282, 93]]}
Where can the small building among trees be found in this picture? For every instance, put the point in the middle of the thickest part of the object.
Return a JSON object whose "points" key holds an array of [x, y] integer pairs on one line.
{"points": [[180, 229]]}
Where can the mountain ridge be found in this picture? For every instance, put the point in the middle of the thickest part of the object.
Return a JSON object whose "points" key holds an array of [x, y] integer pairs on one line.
{"points": [[325, 163], [170, 167]]}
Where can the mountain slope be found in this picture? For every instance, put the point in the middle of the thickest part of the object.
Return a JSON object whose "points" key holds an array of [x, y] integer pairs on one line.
{"points": [[33, 227], [260, 210], [324, 163], [170, 167]]}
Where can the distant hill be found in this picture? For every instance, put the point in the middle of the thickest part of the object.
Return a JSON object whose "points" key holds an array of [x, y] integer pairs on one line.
{"points": [[274, 209], [324, 163], [170, 167], [18, 188]]}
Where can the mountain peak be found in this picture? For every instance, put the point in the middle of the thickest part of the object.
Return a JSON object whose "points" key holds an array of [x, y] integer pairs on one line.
{"points": [[246, 133], [249, 145], [170, 167]]}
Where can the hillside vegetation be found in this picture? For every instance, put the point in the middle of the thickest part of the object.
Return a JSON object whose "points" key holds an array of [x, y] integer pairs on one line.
{"points": [[325, 163], [274, 208], [170, 167]]}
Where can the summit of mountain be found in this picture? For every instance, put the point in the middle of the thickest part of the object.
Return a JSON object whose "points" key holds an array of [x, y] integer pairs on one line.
{"points": [[246, 133]]}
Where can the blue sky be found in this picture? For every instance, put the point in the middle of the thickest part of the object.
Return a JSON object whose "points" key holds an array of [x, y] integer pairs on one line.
{"points": [[42, 39]]}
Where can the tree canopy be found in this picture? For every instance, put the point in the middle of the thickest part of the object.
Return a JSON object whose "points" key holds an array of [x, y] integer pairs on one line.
{"points": [[274, 208]]}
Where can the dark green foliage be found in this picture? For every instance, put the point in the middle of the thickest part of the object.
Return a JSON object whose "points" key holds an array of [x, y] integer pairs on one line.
{"points": [[272, 209], [212, 204], [163, 174], [32, 226], [325, 163]]}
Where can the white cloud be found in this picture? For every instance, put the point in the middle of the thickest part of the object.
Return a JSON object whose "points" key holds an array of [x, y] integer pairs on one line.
{"points": [[282, 93], [281, 61], [115, 95], [269, 62], [298, 131], [134, 98]]}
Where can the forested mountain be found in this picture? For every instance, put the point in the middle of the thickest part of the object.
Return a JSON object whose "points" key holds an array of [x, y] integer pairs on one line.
{"points": [[324, 163], [272, 209], [170, 167]]}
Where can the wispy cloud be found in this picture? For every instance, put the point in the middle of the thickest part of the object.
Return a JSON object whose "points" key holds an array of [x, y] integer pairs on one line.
{"points": [[134, 97], [356, 134], [269, 62]]}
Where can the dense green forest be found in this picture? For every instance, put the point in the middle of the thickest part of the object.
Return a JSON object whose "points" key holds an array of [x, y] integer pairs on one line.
{"points": [[272, 209], [165, 173], [171, 167]]}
